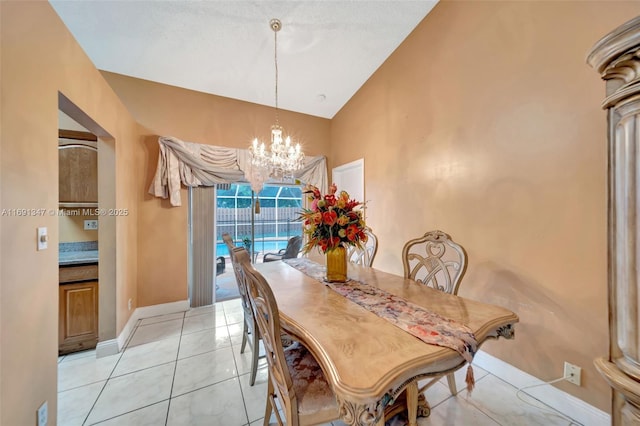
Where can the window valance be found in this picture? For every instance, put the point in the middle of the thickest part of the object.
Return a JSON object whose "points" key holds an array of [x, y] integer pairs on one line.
{"points": [[194, 164]]}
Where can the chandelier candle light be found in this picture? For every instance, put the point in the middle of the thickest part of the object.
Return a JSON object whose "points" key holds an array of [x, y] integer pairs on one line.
{"points": [[283, 158]]}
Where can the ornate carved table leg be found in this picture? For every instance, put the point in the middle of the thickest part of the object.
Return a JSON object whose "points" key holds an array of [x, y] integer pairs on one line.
{"points": [[355, 414]]}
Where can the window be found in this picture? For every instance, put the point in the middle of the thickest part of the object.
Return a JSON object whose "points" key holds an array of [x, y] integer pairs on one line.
{"points": [[277, 221]]}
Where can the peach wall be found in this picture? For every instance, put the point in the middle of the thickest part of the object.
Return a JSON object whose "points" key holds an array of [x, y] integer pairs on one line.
{"points": [[39, 59], [486, 124], [194, 117]]}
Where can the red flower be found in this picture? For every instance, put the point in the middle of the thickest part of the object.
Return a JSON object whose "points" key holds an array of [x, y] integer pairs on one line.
{"points": [[330, 217], [352, 232]]}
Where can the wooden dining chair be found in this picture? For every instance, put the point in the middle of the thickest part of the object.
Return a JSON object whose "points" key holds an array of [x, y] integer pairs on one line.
{"points": [[437, 261], [364, 255], [250, 331], [295, 377]]}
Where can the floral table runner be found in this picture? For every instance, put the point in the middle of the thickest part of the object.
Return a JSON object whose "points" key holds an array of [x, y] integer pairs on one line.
{"points": [[427, 326]]}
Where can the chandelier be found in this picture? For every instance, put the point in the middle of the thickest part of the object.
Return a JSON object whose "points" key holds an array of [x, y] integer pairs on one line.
{"points": [[282, 158]]}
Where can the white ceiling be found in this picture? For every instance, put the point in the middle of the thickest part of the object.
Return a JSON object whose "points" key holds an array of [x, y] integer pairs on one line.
{"points": [[326, 49]]}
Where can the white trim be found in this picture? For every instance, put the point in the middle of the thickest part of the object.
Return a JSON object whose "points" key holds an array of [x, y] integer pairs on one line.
{"points": [[163, 309], [114, 346], [565, 403], [106, 348]]}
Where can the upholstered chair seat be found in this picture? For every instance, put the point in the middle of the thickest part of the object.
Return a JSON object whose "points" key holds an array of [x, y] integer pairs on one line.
{"points": [[315, 398]]}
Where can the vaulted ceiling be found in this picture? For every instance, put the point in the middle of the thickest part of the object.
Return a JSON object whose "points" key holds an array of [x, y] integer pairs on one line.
{"points": [[326, 49]]}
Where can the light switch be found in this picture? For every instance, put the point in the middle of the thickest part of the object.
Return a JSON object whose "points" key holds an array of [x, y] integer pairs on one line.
{"points": [[90, 225], [43, 238]]}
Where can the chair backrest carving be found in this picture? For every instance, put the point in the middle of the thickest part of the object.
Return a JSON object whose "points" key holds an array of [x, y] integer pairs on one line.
{"points": [[265, 311], [435, 260], [364, 255]]}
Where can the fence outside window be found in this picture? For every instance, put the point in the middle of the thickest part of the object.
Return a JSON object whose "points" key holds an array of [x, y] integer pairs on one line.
{"points": [[274, 225]]}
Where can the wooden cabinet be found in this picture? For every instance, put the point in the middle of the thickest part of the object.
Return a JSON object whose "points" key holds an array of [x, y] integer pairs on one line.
{"points": [[78, 175], [78, 310]]}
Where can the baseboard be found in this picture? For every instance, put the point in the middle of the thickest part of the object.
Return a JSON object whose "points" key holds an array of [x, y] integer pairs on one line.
{"points": [[106, 348], [565, 403], [162, 309], [114, 346]]}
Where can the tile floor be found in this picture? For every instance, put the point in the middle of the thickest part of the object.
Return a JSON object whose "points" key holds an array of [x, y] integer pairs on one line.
{"points": [[186, 369]]}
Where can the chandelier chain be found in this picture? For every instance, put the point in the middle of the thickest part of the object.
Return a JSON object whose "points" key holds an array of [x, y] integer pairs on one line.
{"points": [[275, 60], [282, 158]]}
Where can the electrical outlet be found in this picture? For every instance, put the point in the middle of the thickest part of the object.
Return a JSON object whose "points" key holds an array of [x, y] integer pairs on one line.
{"points": [[572, 373], [90, 225], [43, 414]]}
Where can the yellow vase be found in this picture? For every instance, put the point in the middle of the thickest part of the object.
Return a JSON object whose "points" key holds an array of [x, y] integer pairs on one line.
{"points": [[337, 265]]}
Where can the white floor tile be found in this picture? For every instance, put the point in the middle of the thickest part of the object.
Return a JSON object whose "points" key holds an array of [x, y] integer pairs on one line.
{"points": [[232, 304], [456, 411], [155, 332], [161, 318], [84, 370], [217, 405], [132, 391], [194, 359], [243, 361], [74, 404], [152, 415], [498, 400], [234, 317], [204, 341], [255, 397], [76, 355], [205, 321], [147, 355], [203, 370], [436, 394], [204, 310], [235, 332]]}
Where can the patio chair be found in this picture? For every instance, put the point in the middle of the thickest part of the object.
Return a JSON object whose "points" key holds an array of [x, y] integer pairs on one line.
{"points": [[220, 265], [291, 251]]}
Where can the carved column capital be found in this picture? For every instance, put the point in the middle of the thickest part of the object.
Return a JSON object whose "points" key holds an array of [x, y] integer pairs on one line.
{"points": [[617, 58]]}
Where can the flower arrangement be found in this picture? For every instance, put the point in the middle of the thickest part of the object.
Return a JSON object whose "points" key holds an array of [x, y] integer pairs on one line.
{"points": [[332, 220]]}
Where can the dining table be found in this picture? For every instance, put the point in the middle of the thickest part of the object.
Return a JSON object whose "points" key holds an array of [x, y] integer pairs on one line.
{"points": [[367, 360]]}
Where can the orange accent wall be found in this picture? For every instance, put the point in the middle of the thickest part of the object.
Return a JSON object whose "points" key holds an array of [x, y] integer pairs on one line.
{"points": [[486, 124], [40, 58]]}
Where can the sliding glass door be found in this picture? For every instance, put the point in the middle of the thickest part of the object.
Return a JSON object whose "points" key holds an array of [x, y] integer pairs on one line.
{"points": [[262, 222]]}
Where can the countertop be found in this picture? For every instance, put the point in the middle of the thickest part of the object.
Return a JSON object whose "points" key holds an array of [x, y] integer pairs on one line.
{"points": [[77, 257], [77, 253]]}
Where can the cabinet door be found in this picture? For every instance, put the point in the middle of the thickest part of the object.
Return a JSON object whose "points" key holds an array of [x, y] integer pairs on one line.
{"points": [[78, 174], [78, 325]]}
